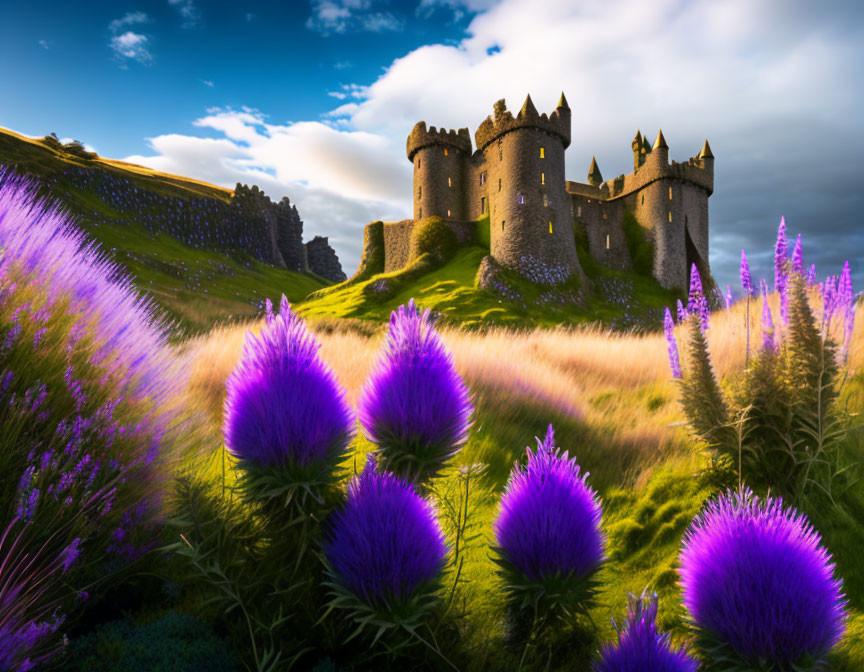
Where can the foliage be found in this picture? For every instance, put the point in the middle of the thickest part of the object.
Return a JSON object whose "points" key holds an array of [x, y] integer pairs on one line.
{"points": [[641, 250], [432, 236], [414, 406], [759, 586], [780, 427]]}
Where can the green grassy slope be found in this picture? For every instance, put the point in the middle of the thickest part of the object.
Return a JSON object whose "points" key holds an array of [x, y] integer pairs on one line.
{"points": [[617, 298], [195, 287]]}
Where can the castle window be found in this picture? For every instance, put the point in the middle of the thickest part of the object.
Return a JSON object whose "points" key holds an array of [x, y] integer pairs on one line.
{"points": [[449, 181], [502, 224], [542, 178], [643, 199], [420, 192], [542, 152], [420, 213], [670, 215], [482, 205], [482, 178], [521, 199], [418, 163], [545, 201], [607, 241], [670, 193], [579, 211], [500, 151], [550, 227], [448, 213], [445, 151], [499, 184], [604, 215]]}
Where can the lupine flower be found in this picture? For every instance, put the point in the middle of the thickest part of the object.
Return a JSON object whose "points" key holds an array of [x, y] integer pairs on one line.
{"points": [[284, 406], [669, 331], [386, 540], [763, 288], [728, 298], [811, 275], [798, 257], [640, 647], [781, 263], [746, 279], [268, 311], [758, 583], [682, 312], [415, 406], [549, 521], [70, 554], [829, 302], [695, 290], [846, 304], [767, 328]]}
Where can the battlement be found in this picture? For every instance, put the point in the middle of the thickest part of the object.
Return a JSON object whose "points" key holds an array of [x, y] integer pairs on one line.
{"points": [[420, 137], [556, 123]]}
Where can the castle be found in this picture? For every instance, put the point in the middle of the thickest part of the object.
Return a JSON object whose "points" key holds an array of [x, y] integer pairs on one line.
{"points": [[516, 177]]}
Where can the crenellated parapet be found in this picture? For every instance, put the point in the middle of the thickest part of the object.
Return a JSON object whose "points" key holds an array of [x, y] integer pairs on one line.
{"points": [[421, 137], [557, 123]]}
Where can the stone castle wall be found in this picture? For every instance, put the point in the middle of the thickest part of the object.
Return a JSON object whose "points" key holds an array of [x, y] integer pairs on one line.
{"points": [[606, 241], [397, 244]]}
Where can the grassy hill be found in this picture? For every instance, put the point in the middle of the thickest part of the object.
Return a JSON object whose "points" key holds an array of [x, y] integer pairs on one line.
{"points": [[447, 283], [196, 286]]}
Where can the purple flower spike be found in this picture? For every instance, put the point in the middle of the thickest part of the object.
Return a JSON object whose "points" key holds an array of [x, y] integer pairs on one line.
{"points": [[798, 257], [268, 311], [846, 303], [682, 311], [669, 331], [284, 406], [763, 288], [549, 520], [767, 328], [415, 406], [284, 306], [829, 302], [781, 269], [386, 540], [759, 585], [695, 290], [640, 647], [746, 278], [728, 298], [811, 275]]}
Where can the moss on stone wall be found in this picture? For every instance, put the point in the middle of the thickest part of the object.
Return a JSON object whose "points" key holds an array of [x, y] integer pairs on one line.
{"points": [[641, 250], [372, 262], [433, 237], [583, 249], [481, 232]]}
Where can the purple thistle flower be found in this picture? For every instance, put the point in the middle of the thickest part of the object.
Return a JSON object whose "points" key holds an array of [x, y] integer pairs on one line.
{"points": [[640, 647], [811, 275], [798, 257], [746, 278], [781, 269], [767, 328], [414, 405], [386, 540], [284, 406], [669, 331], [755, 577], [549, 520], [682, 312]]}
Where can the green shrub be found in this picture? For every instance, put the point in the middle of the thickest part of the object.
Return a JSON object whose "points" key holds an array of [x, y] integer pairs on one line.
{"points": [[641, 250], [433, 237]]}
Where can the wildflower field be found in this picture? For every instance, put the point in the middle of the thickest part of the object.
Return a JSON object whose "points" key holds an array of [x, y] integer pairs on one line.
{"points": [[322, 495]]}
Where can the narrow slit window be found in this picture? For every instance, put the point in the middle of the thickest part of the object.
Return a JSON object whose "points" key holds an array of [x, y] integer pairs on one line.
{"points": [[419, 192], [542, 152], [670, 215], [550, 227], [418, 163], [542, 178], [448, 213], [670, 193], [643, 199], [420, 213], [445, 151], [482, 205], [502, 224], [605, 215], [499, 184], [607, 241], [450, 182], [579, 211], [521, 199], [545, 201]]}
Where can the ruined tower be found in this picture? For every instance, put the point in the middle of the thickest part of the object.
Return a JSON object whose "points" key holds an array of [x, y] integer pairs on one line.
{"points": [[530, 222], [440, 159]]}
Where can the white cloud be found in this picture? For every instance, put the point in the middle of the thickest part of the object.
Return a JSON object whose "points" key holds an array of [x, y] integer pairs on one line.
{"points": [[767, 83], [342, 16], [207, 82], [44, 44], [189, 11], [127, 44]]}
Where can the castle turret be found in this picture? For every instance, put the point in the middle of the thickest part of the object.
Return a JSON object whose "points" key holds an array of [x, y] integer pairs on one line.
{"points": [[529, 210], [440, 159], [595, 179], [660, 150]]}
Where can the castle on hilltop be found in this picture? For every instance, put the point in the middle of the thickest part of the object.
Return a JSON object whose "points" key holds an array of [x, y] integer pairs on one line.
{"points": [[516, 177]]}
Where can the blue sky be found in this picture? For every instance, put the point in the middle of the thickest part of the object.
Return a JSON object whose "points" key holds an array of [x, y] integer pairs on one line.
{"points": [[313, 99]]}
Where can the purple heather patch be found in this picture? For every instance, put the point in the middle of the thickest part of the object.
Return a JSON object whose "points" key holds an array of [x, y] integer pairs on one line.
{"points": [[755, 575], [549, 520], [284, 405], [386, 540]]}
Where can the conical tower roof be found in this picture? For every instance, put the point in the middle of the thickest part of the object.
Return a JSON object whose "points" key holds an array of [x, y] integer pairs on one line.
{"points": [[637, 140], [594, 176], [705, 153], [528, 109], [660, 142], [562, 102]]}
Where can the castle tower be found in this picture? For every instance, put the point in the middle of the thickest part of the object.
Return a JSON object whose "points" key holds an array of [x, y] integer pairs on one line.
{"points": [[660, 150], [530, 220], [595, 179], [706, 159], [440, 159]]}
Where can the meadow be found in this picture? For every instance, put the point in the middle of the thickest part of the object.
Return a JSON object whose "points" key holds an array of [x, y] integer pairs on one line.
{"points": [[152, 520]]}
